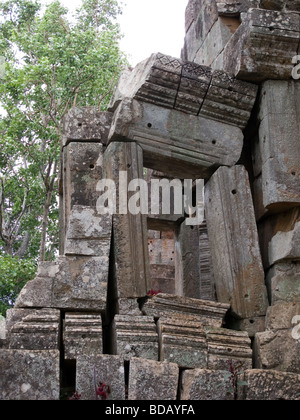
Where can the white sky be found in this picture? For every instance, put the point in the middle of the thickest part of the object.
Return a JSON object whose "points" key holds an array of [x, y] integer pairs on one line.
{"points": [[148, 26]]}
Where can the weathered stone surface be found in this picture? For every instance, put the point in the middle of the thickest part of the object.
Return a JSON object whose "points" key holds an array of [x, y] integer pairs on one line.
{"points": [[206, 385], [183, 85], [235, 7], [149, 380], [226, 346], [284, 283], [269, 385], [281, 315], [200, 17], [128, 307], [82, 335], [203, 311], [216, 40], [250, 325], [34, 329], [82, 170], [285, 246], [164, 133], [238, 270], [36, 293], [277, 350], [71, 283], [130, 247], [86, 124], [29, 375], [108, 369], [183, 342], [221, 106], [3, 333], [134, 336], [88, 232], [263, 46], [278, 145]]}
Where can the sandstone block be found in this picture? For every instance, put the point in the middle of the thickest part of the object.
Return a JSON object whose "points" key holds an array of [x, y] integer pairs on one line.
{"points": [[226, 346], [281, 315], [263, 46], [86, 124], [238, 270], [278, 146], [130, 246], [164, 133], [150, 380], [206, 385], [269, 385], [134, 336], [206, 312], [285, 246], [284, 283], [29, 375], [183, 85], [277, 350], [74, 283], [34, 329], [82, 335], [183, 342], [105, 368]]}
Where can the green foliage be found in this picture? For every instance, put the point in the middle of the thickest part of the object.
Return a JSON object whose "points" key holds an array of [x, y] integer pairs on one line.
{"points": [[53, 63], [14, 274]]}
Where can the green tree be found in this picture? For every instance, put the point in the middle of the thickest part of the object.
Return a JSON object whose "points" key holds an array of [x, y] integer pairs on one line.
{"points": [[54, 62]]}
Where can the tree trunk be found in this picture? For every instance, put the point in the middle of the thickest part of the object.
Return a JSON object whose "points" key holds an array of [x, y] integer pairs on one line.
{"points": [[45, 225]]}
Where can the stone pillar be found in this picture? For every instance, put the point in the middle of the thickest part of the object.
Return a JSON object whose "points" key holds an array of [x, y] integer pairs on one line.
{"points": [[130, 247], [238, 270]]}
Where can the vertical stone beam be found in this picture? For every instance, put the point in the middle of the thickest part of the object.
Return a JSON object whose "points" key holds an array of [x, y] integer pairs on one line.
{"points": [[278, 146], [238, 270], [82, 164], [131, 258]]}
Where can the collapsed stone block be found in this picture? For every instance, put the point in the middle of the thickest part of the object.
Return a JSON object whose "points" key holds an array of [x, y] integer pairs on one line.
{"points": [[227, 346], [150, 380], [206, 312], [29, 375], [82, 335], [206, 385], [134, 336], [238, 271], [69, 283], [285, 246], [268, 385], [183, 86], [101, 368], [162, 133], [182, 341], [130, 247], [278, 350], [263, 46], [34, 329]]}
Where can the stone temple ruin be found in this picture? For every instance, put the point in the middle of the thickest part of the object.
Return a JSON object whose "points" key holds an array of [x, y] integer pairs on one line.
{"points": [[229, 311]]}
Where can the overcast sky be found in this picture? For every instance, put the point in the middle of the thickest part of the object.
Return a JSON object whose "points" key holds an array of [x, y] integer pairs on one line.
{"points": [[149, 26], [152, 26]]}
